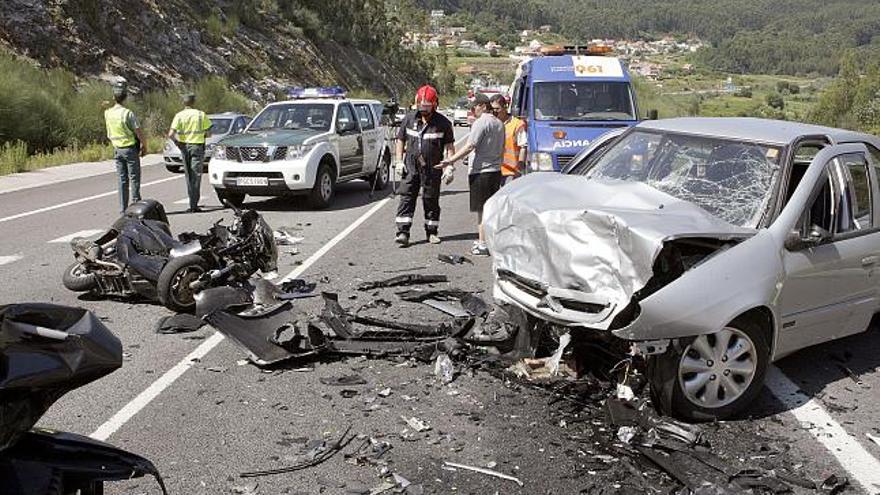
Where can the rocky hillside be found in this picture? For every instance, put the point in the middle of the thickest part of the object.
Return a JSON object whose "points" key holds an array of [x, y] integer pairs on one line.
{"points": [[163, 43]]}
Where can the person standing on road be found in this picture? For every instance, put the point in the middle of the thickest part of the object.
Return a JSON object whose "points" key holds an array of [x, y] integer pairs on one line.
{"points": [[189, 129], [421, 140], [129, 145], [486, 140], [515, 140]]}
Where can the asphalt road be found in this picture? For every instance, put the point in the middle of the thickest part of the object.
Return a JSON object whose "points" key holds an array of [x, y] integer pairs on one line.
{"points": [[215, 417]]}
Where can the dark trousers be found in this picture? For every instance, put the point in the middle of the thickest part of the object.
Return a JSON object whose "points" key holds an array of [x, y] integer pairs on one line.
{"points": [[428, 180], [193, 156]]}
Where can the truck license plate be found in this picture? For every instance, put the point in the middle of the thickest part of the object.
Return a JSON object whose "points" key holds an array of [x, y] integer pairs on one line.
{"points": [[252, 181]]}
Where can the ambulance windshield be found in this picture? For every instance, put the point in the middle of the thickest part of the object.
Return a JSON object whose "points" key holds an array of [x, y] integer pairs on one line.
{"points": [[583, 101]]}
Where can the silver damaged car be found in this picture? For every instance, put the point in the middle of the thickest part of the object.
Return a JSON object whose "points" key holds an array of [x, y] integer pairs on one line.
{"points": [[713, 246]]}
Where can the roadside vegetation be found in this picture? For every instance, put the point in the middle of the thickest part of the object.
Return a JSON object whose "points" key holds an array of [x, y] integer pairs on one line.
{"points": [[48, 117]]}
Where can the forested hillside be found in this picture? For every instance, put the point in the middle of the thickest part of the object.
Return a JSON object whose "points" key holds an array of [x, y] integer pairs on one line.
{"points": [[748, 36]]}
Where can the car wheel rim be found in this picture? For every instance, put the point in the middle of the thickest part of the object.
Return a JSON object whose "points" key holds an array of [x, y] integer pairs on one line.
{"points": [[717, 369], [78, 270], [326, 186], [180, 286], [383, 173]]}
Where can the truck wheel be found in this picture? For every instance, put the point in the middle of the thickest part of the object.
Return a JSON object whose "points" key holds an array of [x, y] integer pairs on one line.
{"points": [[77, 279], [173, 287], [711, 376], [236, 199], [322, 191], [379, 178]]}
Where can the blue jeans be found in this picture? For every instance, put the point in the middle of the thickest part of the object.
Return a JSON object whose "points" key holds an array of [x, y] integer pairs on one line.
{"points": [[128, 168], [193, 156]]}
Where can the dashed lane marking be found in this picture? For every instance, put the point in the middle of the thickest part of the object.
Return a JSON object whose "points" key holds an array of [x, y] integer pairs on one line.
{"points": [[862, 466], [5, 260], [144, 398], [77, 201], [69, 237]]}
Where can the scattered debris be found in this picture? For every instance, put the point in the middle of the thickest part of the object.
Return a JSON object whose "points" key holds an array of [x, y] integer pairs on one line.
{"points": [[318, 456], [179, 323], [444, 370], [489, 472], [416, 424], [409, 279], [873, 438], [283, 238], [454, 259], [344, 380]]}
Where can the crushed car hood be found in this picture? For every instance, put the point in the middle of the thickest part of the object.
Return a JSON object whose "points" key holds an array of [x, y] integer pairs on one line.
{"points": [[586, 240]]}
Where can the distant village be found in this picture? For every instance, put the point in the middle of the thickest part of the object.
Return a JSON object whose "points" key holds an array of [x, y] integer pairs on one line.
{"points": [[635, 52]]}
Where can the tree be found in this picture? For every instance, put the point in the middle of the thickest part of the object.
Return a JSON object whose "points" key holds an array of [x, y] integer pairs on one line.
{"points": [[775, 100]]}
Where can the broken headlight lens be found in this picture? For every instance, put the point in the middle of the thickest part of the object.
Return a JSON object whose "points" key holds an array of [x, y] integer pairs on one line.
{"points": [[219, 152], [541, 162]]}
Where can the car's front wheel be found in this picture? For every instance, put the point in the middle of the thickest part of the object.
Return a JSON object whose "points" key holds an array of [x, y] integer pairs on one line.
{"points": [[322, 192], [711, 376]]}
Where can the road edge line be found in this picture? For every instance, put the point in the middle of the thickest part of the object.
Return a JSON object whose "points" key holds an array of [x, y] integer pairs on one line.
{"points": [[852, 456]]}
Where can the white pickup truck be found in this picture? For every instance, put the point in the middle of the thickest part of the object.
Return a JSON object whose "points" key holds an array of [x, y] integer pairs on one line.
{"points": [[304, 146]]}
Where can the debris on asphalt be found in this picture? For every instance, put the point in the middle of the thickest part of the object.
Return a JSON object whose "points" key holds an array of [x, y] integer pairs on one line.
{"points": [[416, 424], [873, 438], [485, 471], [295, 289], [447, 308], [402, 280], [454, 259], [444, 370], [179, 323], [317, 455], [344, 380], [283, 238]]}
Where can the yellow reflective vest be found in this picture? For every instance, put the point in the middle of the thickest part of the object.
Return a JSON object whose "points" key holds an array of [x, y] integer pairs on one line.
{"points": [[191, 126], [119, 129]]}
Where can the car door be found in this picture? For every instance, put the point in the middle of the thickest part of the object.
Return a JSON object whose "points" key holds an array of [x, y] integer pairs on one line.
{"points": [[351, 145], [830, 283], [370, 133]]}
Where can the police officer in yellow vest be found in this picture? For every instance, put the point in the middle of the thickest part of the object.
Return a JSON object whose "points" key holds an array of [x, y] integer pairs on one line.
{"points": [[189, 130], [128, 140]]}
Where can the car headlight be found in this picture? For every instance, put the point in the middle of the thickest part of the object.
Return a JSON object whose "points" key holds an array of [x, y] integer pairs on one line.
{"points": [[295, 152], [219, 152], [540, 161], [210, 148]]}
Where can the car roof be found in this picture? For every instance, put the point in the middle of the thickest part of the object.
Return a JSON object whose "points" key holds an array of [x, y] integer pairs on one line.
{"points": [[779, 132], [325, 100], [226, 115]]}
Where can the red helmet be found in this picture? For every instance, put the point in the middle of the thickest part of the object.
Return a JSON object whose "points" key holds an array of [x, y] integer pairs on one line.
{"points": [[427, 93]]}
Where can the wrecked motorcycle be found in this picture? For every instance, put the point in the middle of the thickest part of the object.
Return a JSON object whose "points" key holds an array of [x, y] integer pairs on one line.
{"points": [[47, 351], [139, 256]]}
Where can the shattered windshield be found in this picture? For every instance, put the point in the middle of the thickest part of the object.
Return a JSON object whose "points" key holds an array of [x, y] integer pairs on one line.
{"points": [[583, 101], [314, 116], [731, 180]]}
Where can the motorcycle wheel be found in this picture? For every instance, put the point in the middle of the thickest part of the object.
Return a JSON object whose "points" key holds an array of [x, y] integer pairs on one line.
{"points": [[77, 279], [173, 287]]}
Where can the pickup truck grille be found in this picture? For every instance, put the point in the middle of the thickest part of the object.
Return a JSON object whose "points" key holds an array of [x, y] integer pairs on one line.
{"points": [[232, 153], [253, 154]]}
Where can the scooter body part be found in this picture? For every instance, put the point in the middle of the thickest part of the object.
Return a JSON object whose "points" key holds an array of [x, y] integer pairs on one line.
{"points": [[38, 370], [221, 298]]}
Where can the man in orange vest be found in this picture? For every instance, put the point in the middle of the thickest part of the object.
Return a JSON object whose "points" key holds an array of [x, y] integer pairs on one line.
{"points": [[515, 140]]}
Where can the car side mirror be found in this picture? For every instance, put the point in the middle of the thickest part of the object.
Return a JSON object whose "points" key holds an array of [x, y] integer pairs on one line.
{"points": [[794, 241], [345, 127]]}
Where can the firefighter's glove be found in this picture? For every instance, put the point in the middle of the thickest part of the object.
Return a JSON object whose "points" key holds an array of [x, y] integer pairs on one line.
{"points": [[449, 174]]}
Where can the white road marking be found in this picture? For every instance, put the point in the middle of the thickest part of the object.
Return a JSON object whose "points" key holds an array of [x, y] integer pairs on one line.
{"points": [[77, 201], [82, 233], [862, 466], [5, 260], [144, 398], [184, 201]]}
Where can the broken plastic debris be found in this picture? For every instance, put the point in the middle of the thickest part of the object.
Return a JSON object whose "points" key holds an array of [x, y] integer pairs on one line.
{"points": [[626, 433], [410, 279], [444, 370], [416, 424], [557, 356], [625, 392], [454, 259], [484, 471], [344, 380], [284, 239], [385, 392], [873, 438]]}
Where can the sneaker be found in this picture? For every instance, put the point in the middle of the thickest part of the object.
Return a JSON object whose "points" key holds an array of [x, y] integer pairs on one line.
{"points": [[402, 239], [480, 250], [434, 239]]}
